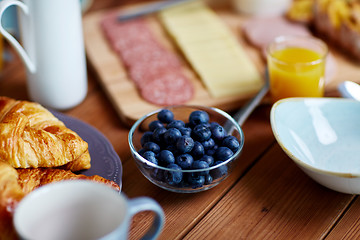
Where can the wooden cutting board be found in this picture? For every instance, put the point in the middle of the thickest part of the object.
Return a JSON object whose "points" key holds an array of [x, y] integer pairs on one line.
{"points": [[123, 94]]}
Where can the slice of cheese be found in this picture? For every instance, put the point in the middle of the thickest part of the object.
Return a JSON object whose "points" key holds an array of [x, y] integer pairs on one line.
{"points": [[212, 50]]}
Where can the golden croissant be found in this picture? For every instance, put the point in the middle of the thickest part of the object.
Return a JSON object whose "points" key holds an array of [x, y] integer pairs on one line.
{"points": [[10, 195], [32, 137]]}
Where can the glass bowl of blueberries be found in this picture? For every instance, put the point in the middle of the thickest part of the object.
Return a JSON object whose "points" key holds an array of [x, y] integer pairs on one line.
{"points": [[186, 148]]}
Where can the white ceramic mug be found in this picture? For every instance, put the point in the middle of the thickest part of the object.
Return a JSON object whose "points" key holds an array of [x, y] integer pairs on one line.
{"points": [[79, 209], [52, 50]]}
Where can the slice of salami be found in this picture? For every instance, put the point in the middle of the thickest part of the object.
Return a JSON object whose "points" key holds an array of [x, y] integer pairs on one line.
{"points": [[169, 89], [142, 73], [156, 72]]}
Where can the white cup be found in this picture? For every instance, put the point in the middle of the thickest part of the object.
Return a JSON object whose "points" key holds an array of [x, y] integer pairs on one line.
{"points": [[79, 209], [52, 50]]}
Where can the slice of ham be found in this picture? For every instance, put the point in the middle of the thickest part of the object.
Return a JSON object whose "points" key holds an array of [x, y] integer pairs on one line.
{"points": [[156, 71], [261, 31]]}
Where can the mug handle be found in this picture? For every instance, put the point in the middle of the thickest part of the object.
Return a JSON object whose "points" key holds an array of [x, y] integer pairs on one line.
{"points": [[140, 204], [25, 57]]}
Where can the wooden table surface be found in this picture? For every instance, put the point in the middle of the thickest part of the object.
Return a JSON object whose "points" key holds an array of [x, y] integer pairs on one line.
{"points": [[266, 197]]}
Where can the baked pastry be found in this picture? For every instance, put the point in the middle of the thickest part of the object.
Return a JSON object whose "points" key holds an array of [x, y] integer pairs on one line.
{"points": [[10, 195], [32, 137], [32, 178]]}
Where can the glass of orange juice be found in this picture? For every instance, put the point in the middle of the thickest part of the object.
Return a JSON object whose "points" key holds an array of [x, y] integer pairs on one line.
{"points": [[296, 67]]}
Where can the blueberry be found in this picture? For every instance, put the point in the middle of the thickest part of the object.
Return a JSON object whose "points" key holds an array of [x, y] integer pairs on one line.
{"points": [[208, 144], [198, 117], [198, 150], [211, 151], [176, 124], [165, 116], [219, 171], [195, 181], [231, 142], [146, 137], [157, 174], [142, 151], [173, 177], [185, 161], [223, 153], [184, 144], [214, 124], [185, 131], [171, 148], [147, 154], [201, 132], [155, 124], [172, 135], [208, 179], [166, 157], [208, 159], [217, 132], [200, 165], [150, 156], [158, 134], [151, 146]]}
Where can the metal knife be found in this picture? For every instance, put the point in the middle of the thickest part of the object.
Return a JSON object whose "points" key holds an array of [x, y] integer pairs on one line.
{"points": [[149, 8]]}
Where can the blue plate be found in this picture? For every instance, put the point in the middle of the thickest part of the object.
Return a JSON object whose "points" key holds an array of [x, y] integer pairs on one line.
{"points": [[104, 160]]}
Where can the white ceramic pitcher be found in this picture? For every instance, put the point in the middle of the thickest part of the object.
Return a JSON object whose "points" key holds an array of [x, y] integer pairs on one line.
{"points": [[52, 50]]}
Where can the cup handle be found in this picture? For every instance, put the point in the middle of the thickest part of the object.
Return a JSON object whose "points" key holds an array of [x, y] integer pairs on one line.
{"points": [[25, 57], [140, 204]]}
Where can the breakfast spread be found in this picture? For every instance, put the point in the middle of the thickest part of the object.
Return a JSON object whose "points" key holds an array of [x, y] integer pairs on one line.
{"points": [[194, 145], [212, 50], [156, 72], [36, 149]]}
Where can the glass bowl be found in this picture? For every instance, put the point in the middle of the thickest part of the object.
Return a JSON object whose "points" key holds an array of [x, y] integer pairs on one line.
{"points": [[159, 175]]}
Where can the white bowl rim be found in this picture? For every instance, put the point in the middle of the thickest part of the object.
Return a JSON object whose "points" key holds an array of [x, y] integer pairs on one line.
{"points": [[293, 157], [139, 121]]}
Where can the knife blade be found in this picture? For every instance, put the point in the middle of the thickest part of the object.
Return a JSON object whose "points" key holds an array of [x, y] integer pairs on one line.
{"points": [[149, 8]]}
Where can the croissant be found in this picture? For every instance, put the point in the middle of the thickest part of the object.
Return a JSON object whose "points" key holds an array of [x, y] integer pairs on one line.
{"points": [[32, 178], [32, 137], [10, 194]]}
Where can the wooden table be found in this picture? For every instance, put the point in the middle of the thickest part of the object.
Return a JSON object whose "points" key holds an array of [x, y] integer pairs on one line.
{"points": [[266, 197]]}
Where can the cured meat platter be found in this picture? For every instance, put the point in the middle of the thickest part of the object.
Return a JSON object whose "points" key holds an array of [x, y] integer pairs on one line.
{"points": [[123, 93]]}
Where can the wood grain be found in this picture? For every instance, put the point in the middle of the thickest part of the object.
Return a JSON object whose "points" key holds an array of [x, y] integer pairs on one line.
{"points": [[274, 200], [348, 227]]}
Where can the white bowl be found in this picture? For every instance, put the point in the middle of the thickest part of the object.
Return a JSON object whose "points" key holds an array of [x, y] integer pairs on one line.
{"points": [[322, 136]]}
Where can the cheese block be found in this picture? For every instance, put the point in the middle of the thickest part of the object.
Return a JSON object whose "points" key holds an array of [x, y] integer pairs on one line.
{"points": [[212, 50]]}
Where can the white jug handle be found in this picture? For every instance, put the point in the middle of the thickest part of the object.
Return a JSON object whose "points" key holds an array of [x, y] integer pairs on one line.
{"points": [[25, 57]]}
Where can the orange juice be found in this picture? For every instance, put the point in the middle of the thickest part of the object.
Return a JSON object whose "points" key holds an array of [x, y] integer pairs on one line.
{"points": [[296, 72]]}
